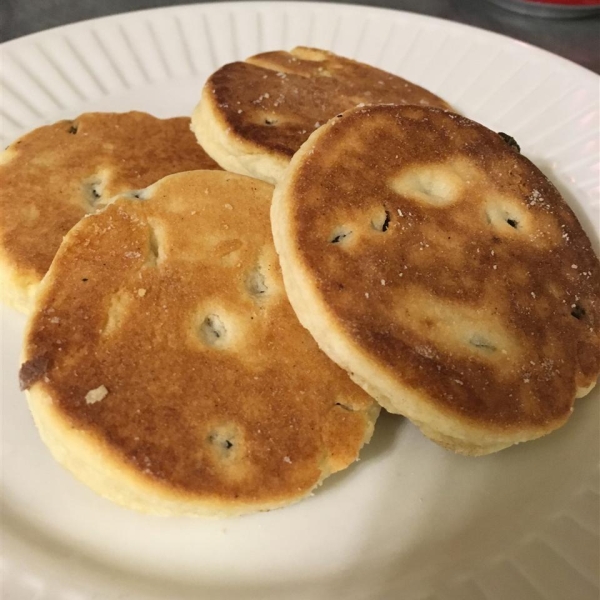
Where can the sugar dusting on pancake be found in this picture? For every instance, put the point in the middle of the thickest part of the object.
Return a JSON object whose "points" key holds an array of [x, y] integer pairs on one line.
{"points": [[254, 115], [444, 271], [166, 368]]}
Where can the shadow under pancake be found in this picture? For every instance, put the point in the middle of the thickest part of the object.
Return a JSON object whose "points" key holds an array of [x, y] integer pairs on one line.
{"points": [[16, 526], [54, 556], [387, 428]]}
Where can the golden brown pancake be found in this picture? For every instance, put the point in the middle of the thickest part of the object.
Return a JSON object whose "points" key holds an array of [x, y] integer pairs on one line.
{"points": [[254, 115], [57, 174], [442, 270], [165, 367]]}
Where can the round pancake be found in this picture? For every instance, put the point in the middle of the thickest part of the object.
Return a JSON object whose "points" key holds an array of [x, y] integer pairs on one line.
{"points": [[165, 367], [442, 270], [254, 115], [55, 175]]}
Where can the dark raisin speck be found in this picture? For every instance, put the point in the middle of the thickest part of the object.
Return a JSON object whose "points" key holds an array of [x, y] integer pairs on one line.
{"points": [[32, 371], [386, 223], [510, 141]]}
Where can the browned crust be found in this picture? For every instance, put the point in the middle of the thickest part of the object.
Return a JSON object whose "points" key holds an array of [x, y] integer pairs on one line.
{"points": [[402, 298], [273, 101], [32, 371], [47, 177], [123, 306]]}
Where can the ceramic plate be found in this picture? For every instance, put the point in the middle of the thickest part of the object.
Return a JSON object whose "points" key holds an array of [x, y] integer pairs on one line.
{"points": [[410, 521]]}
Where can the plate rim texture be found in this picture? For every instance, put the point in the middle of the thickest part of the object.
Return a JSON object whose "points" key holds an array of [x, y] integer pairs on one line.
{"points": [[70, 79]]}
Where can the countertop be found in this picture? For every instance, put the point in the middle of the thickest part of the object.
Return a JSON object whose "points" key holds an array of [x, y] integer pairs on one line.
{"points": [[575, 39]]}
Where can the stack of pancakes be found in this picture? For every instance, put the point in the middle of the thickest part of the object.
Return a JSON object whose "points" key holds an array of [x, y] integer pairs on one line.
{"points": [[201, 342]]}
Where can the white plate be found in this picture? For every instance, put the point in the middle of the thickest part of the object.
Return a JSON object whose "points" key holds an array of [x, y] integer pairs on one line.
{"points": [[410, 521]]}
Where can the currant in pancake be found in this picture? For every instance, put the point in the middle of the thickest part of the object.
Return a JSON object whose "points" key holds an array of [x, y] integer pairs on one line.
{"points": [[165, 367], [55, 175], [443, 271]]}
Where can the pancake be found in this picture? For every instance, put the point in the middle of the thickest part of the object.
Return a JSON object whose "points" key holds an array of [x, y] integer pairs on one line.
{"points": [[254, 115], [443, 271], [165, 367], [57, 174]]}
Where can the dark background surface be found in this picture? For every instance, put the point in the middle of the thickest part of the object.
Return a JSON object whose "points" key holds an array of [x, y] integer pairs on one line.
{"points": [[575, 39]]}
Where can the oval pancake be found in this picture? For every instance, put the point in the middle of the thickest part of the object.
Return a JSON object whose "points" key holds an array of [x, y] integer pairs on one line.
{"points": [[53, 176], [444, 271], [254, 115], [165, 367]]}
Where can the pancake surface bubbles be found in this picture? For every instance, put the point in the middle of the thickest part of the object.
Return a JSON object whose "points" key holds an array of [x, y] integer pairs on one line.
{"points": [[444, 271], [253, 115], [166, 368], [55, 175]]}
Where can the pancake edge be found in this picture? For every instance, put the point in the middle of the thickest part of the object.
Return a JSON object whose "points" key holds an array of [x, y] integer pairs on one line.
{"points": [[17, 288], [445, 427], [229, 150], [91, 461]]}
